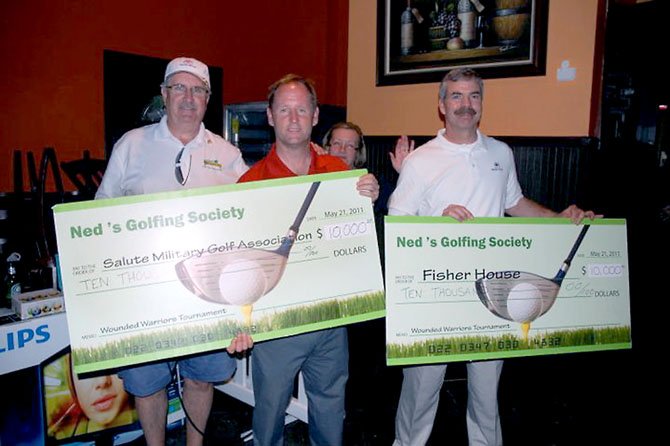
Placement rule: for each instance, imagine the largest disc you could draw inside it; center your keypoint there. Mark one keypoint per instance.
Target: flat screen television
(93, 410)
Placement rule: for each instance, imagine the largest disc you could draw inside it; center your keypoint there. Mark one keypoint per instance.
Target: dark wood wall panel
(553, 171)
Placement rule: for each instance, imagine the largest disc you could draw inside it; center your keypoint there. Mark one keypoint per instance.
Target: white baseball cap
(188, 65)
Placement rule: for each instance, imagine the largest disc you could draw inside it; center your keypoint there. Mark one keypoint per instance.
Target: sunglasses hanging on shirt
(178, 172)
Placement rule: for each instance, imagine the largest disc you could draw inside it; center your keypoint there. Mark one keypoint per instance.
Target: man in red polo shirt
(322, 356)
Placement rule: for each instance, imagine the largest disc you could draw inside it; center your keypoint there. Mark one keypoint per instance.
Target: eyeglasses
(177, 168)
(343, 145)
(195, 91)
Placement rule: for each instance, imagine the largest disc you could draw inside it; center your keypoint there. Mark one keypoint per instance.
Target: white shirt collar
(477, 145)
(163, 132)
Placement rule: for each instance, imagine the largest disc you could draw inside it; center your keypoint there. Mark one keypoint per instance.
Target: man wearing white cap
(176, 153)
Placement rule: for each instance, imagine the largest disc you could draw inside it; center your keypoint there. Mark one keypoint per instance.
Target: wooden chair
(85, 174)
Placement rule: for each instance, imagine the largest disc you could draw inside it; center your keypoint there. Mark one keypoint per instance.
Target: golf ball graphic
(242, 283)
(524, 302)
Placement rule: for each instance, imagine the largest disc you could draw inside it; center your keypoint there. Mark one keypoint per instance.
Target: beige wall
(529, 106)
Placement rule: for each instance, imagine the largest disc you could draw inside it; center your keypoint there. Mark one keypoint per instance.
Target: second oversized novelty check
(503, 287)
(157, 276)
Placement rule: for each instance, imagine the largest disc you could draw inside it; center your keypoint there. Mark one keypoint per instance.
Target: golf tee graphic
(521, 296)
(241, 277)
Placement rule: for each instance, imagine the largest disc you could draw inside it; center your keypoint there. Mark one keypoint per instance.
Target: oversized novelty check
(163, 275)
(504, 287)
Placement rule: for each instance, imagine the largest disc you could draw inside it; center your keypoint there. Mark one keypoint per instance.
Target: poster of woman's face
(77, 406)
(101, 398)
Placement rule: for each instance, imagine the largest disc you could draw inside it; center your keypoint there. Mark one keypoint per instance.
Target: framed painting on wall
(418, 41)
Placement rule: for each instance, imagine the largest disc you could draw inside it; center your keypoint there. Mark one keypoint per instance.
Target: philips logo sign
(27, 343)
(23, 337)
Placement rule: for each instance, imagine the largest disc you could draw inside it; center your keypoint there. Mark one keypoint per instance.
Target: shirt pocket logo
(496, 167)
(212, 164)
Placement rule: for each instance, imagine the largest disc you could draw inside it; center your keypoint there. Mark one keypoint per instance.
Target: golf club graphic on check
(527, 296)
(243, 276)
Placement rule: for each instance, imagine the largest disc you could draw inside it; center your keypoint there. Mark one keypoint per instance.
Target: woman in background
(367, 390)
(345, 140)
